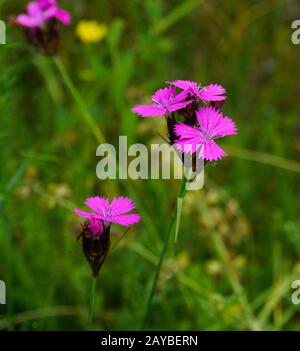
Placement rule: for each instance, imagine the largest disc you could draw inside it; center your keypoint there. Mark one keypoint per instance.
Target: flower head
(165, 101)
(212, 125)
(212, 92)
(40, 12)
(114, 212)
(95, 232)
(91, 31)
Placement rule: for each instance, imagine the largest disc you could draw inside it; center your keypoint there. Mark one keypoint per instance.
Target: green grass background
(239, 242)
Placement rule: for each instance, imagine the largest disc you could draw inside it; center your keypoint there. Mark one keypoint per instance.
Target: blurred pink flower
(41, 11)
(164, 101)
(114, 212)
(212, 92)
(212, 125)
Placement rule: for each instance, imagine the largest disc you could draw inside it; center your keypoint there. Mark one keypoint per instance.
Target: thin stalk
(79, 101)
(91, 302)
(170, 228)
(234, 281)
(279, 290)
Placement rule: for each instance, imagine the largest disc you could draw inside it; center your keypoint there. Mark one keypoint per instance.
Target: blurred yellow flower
(91, 31)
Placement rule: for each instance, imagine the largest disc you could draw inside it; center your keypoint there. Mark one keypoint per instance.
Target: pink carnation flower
(41, 11)
(212, 92)
(212, 125)
(114, 212)
(164, 101)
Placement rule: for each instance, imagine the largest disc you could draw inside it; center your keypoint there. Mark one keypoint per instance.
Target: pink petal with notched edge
(226, 126)
(187, 145)
(179, 97)
(185, 131)
(179, 105)
(211, 151)
(63, 16)
(190, 138)
(120, 205)
(213, 123)
(181, 84)
(149, 110)
(83, 213)
(163, 95)
(213, 92)
(184, 84)
(98, 204)
(126, 220)
(188, 87)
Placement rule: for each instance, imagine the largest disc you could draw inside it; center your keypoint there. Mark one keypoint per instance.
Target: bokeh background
(239, 243)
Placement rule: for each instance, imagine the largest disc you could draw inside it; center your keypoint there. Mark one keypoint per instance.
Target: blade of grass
(174, 16)
(278, 292)
(222, 252)
(86, 115)
(178, 217)
(265, 158)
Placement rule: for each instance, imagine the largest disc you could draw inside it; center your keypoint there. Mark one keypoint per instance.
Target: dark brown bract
(44, 39)
(94, 248)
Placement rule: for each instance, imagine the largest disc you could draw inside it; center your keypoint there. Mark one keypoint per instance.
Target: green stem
(170, 228)
(91, 302)
(79, 101)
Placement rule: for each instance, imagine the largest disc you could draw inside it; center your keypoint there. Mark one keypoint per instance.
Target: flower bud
(95, 245)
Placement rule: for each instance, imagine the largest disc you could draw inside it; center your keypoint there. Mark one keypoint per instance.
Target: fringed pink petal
(98, 204)
(213, 123)
(121, 205)
(179, 105)
(211, 151)
(83, 213)
(212, 92)
(126, 220)
(149, 110)
(185, 131)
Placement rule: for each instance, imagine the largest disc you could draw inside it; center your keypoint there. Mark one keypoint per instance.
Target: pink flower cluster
(193, 128)
(39, 12)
